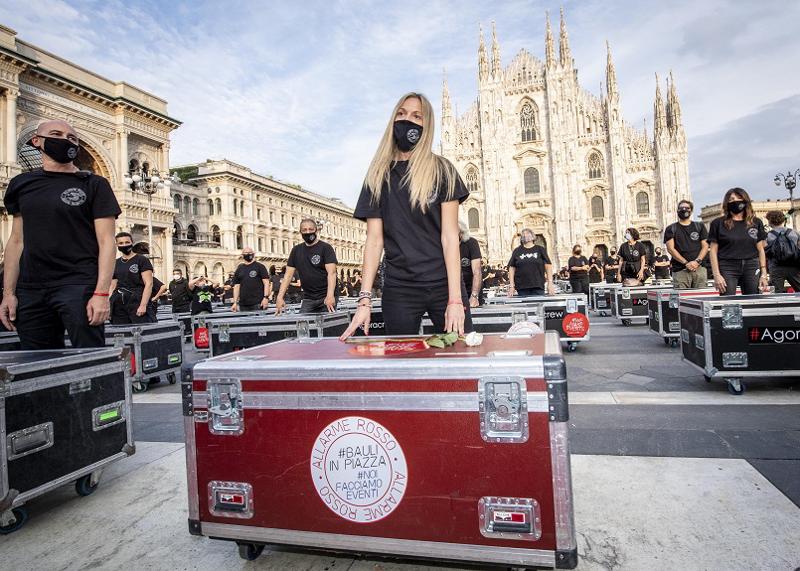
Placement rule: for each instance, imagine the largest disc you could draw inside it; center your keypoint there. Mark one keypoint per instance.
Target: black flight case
(630, 302)
(733, 337)
(662, 311)
(64, 416)
(156, 351)
(497, 318)
(600, 297)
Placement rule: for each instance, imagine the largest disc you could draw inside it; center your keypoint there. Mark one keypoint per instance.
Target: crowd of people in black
(417, 256)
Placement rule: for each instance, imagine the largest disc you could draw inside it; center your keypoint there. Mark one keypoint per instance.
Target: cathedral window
(218, 203)
(531, 181)
(239, 238)
(473, 219)
(176, 202)
(527, 120)
(598, 208)
(595, 165)
(187, 204)
(215, 235)
(210, 207)
(191, 233)
(195, 207)
(472, 179)
(642, 203)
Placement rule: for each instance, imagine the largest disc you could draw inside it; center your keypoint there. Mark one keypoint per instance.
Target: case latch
(572, 305)
(626, 293)
(225, 407)
(732, 316)
(230, 499)
(674, 300)
(503, 406)
(510, 518)
(224, 333)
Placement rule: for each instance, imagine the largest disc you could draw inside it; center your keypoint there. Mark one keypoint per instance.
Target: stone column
(168, 255)
(122, 158)
(10, 121)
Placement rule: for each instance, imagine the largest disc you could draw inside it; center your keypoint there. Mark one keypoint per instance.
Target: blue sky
(302, 90)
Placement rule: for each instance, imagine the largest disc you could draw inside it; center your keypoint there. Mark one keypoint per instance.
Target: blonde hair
(426, 170)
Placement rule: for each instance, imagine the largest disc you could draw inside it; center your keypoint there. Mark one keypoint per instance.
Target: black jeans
(779, 275)
(403, 308)
(44, 314)
(579, 285)
(249, 307)
(315, 305)
(742, 273)
(530, 291)
(125, 303)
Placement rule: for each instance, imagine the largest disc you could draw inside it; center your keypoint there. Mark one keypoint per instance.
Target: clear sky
(302, 90)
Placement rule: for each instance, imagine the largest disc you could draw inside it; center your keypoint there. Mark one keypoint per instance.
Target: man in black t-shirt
(470, 265)
(687, 243)
(611, 266)
(202, 294)
(661, 264)
(529, 268)
(227, 290)
(251, 286)
(132, 285)
(316, 262)
(58, 271)
(578, 271)
(179, 292)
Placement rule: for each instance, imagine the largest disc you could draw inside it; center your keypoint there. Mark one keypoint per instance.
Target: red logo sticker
(389, 348)
(201, 338)
(575, 325)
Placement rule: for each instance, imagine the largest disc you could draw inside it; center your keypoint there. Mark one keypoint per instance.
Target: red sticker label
(389, 348)
(575, 325)
(201, 338)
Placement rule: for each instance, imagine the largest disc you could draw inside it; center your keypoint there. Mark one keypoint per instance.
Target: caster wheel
(250, 551)
(707, 378)
(172, 379)
(84, 485)
(572, 347)
(20, 517)
(140, 386)
(666, 340)
(735, 387)
(673, 343)
(626, 322)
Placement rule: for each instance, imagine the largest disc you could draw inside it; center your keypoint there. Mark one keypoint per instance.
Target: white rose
(473, 339)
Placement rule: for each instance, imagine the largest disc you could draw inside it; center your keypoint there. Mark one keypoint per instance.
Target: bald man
(58, 271)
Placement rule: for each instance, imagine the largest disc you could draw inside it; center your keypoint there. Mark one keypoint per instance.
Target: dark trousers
(611, 277)
(403, 308)
(779, 275)
(309, 305)
(742, 273)
(124, 305)
(44, 314)
(579, 285)
(530, 291)
(249, 306)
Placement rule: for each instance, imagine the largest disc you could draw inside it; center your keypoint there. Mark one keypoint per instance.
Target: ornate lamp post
(149, 182)
(789, 180)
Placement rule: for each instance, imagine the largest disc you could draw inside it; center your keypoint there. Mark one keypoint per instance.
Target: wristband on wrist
(453, 302)
(100, 294)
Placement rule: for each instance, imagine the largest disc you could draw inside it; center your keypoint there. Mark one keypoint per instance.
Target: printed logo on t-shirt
(316, 259)
(753, 233)
(134, 269)
(253, 273)
(528, 256)
(695, 236)
(73, 196)
(635, 253)
(465, 262)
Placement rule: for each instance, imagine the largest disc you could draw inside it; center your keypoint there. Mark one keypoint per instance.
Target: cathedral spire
(483, 62)
(611, 76)
(447, 110)
(549, 48)
(563, 47)
(659, 116)
(673, 107)
(496, 67)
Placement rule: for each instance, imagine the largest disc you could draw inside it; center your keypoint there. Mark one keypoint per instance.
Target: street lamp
(789, 180)
(149, 182)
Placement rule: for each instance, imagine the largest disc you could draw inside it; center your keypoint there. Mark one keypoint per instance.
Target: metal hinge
(186, 394)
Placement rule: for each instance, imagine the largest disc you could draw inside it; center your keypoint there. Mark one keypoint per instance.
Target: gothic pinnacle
(563, 46)
(659, 116)
(549, 48)
(496, 67)
(446, 106)
(483, 63)
(611, 75)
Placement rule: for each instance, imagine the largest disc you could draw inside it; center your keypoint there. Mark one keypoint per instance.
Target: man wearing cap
(58, 271)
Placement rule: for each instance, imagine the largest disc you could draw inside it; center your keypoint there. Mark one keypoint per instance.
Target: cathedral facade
(538, 151)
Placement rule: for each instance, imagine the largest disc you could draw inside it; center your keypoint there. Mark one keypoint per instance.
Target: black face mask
(577, 252)
(613, 253)
(406, 134)
(684, 213)
(309, 238)
(248, 257)
(60, 150)
(125, 250)
(658, 252)
(737, 206)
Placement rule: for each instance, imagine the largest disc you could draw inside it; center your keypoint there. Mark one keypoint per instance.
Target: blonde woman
(410, 203)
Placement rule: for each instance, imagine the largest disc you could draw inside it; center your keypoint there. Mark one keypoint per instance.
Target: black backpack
(782, 250)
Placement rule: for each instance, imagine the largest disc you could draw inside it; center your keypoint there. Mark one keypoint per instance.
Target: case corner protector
(567, 559)
(194, 527)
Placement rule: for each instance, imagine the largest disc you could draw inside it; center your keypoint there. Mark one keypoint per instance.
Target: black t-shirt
(687, 241)
(180, 294)
(662, 272)
(412, 240)
(738, 243)
(577, 261)
(310, 262)
(611, 261)
(128, 273)
(228, 293)
(58, 211)
(631, 255)
(201, 298)
(529, 264)
(595, 263)
(249, 279)
(470, 250)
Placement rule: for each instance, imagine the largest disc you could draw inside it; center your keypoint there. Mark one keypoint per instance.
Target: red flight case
(385, 446)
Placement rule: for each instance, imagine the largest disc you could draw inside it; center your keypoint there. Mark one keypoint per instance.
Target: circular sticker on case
(575, 325)
(359, 469)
